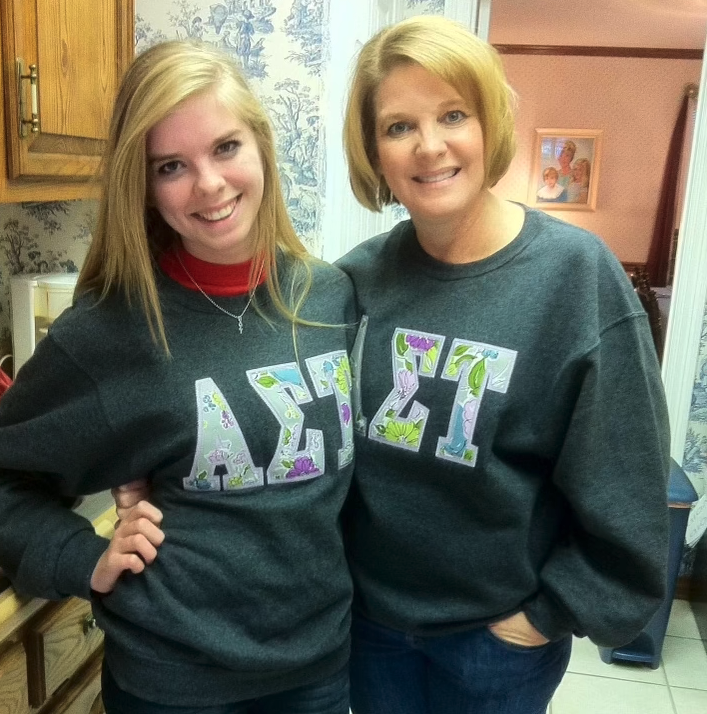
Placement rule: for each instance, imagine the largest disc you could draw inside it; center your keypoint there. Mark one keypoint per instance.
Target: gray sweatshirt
(248, 445)
(512, 439)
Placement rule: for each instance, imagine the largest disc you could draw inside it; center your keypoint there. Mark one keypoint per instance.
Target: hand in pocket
(517, 630)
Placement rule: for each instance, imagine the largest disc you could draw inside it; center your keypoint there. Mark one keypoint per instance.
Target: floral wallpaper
(695, 454)
(424, 7)
(695, 457)
(40, 238)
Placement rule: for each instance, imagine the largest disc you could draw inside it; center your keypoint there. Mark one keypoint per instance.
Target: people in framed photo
(565, 171)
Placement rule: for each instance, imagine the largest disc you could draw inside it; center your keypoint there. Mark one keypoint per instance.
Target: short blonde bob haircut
(130, 233)
(452, 53)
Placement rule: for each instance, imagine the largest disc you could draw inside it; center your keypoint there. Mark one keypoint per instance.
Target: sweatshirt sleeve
(608, 576)
(54, 441)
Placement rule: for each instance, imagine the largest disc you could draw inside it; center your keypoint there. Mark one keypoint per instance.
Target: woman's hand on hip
(518, 630)
(133, 546)
(129, 495)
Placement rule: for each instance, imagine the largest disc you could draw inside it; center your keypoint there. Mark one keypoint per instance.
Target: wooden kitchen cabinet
(51, 664)
(84, 695)
(13, 680)
(80, 49)
(57, 644)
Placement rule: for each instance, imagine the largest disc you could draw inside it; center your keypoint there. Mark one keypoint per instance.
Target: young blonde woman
(512, 436)
(578, 187)
(207, 353)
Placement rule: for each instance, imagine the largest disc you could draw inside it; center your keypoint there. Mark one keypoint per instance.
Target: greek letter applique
(477, 367)
(360, 421)
(222, 461)
(415, 354)
(282, 388)
(331, 374)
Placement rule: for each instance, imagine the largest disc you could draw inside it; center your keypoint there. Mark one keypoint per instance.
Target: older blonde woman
(565, 158)
(512, 430)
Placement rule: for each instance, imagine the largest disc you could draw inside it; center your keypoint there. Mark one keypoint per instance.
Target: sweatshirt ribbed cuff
(548, 618)
(77, 562)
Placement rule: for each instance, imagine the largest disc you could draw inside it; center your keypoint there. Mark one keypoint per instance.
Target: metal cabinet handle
(89, 624)
(33, 123)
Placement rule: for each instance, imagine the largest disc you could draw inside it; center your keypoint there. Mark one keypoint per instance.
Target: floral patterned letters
(476, 366)
(222, 461)
(331, 374)
(414, 354)
(282, 388)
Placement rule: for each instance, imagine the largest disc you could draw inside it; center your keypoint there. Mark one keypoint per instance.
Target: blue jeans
(471, 672)
(329, 696)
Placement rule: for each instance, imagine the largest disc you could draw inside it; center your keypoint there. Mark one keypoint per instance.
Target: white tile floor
(678, 686)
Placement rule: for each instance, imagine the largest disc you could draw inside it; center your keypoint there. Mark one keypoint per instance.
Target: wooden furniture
(51, 652)
(649, 301)
(638, 275)
(62, 61)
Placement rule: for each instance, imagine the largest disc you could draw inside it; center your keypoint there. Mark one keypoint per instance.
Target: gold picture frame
(565, 169)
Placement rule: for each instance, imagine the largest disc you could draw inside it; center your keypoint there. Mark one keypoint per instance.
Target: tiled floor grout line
(626, 679)
(692, 689)
(672, 700)
(634, 681)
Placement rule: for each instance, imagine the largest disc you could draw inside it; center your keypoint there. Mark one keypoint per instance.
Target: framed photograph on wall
(565, 173)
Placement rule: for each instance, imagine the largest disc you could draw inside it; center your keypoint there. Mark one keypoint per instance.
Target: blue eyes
(228, 147)
(400, 128)
(454, 117)
(226, 150)
(169, 168)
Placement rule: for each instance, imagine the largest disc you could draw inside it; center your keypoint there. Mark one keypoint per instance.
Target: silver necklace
(239, 318)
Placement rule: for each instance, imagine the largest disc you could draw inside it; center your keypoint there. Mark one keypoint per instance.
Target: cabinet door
(57, 644)
(80, 49)
(13, 681)
(83, 696)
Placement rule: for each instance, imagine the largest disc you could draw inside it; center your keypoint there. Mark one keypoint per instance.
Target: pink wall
(610, 23)
(635, 102)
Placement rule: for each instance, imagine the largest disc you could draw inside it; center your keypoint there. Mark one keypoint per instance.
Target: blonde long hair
(586, 170)
(130, 235)
(452, 53)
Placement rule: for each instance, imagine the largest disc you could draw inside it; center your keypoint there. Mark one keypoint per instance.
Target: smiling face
(580, 171)
(205, 178)
(430, 145)
(565, 157)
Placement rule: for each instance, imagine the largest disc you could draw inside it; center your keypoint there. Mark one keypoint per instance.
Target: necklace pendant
(239, 318)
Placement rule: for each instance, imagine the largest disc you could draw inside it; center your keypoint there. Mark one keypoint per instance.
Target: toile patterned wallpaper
(40, 238)
(695, 454)
(281, 46)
